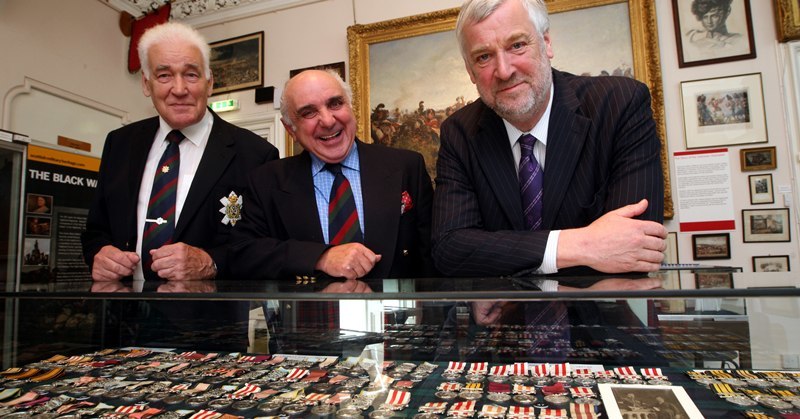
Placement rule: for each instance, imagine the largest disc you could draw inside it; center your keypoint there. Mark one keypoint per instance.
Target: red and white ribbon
(582, 372)
(245, 391)
(456, 366)
(559, 370)
(625, 372)
(206, 414)
(652, 373)
(492, 410)
(581, 392)
(499, 370)
(398, 398)
(523, 389)
(520, 411)
(582, 411)
(521, 368)
(478, 367)
(540, 370)
(552, 413)
(433, 407)
(296, 374)
(130, 409)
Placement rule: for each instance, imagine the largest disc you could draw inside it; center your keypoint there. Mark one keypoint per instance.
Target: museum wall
(77, 47)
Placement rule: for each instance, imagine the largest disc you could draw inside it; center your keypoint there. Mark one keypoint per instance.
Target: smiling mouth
(328, 137)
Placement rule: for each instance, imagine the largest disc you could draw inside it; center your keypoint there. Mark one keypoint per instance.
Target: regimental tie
(343, 224)
(159, 225)
(531, 177)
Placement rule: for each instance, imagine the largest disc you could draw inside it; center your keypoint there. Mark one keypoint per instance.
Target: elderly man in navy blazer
(548, 170)
(288, 227)
(215, 158)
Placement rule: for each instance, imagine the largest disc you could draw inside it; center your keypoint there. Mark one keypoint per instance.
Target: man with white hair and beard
(548, 170)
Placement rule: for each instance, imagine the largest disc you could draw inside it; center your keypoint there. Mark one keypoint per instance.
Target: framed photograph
(39, 204)
(713, 31)
(787, 19)
(771, 263)
(711, 246)
(408, 76)
(766, 225)
(723, 111)
(644, 401)
(756, 159)
(37, 226)
(761, 189)
(713, 280)
(238, 63)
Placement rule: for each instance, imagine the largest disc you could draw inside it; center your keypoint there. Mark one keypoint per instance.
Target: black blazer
(280, 234)
(602, 153)
(230, 155)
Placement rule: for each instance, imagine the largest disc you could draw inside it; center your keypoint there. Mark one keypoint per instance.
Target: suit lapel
(296, 201)
(217, 156)
(381, 182)
(497, 162)
(566, 137)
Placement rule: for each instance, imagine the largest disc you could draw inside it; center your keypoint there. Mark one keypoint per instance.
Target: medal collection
(777, 391)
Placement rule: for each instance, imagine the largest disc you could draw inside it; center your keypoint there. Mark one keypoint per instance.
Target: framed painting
(711, 246)
(761, 189)
(713, 280)
(723, 111)
(238, 63)
(771, 263)
(787, 19)
(755, 159)
(713, 31)
(767, 225)
(407, 74)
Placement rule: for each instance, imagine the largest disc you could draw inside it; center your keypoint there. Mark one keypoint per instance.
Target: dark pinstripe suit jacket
(602, 153)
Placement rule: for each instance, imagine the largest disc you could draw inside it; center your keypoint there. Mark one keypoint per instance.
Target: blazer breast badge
(232, 208)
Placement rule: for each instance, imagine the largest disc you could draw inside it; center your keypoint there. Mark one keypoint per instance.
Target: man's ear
(146, 86)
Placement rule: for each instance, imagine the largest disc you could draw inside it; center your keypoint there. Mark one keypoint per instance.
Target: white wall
(77, 46)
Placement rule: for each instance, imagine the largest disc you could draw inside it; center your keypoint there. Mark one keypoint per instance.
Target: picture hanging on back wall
(713, 31)
(771, 263)
(754, 159)
(761, 189)
(238, 63)
(724, 111)
(766, 225)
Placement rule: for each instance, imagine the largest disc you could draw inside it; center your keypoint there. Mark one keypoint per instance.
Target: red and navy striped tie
(160, 224)
(343, 224)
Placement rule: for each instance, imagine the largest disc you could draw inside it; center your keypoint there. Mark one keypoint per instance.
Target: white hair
(475, 11)
(172, 32)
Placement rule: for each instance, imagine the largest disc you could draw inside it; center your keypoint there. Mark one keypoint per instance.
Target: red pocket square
(405, 203)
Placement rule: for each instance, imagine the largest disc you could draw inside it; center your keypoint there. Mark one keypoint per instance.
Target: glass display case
(487, 347)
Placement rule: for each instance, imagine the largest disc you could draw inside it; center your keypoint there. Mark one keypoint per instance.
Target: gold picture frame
(787, 19)
(644, 51)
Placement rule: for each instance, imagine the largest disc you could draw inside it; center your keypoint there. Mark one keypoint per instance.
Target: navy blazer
(281, 236)
(602, 153)
(230, 155)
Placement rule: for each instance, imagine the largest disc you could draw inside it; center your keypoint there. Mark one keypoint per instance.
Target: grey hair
(172, 32)
(475, 11)
(348, 92)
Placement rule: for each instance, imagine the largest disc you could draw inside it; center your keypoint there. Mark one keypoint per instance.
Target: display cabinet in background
(409, 348)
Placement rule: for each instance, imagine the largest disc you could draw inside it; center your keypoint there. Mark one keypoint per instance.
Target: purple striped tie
(160, 223)
(531, 177)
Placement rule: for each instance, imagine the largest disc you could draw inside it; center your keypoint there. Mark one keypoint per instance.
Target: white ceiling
(206, 12)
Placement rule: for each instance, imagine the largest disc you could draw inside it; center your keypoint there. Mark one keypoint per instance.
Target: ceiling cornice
(200, 13)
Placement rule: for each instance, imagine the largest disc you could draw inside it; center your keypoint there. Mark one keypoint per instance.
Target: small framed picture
(724, 111)
(761, 189)
(39, 204)
(37, 226)
(713, 31)
(645, 401)
(754, 159)
(766, 225)
(711, 246)
(238, 63)
(771, 263)
(713, 280)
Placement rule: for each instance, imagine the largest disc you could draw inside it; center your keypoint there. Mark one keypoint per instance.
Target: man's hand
(181, 262)
(112, 264)
(187, 286)
(487, 312)
(351, 261)
(110, 286)
(619, 284)
(615, 243)
(348, 286)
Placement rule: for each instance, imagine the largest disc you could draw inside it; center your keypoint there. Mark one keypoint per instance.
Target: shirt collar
(193, 133)
(539, 130)
(350, 161)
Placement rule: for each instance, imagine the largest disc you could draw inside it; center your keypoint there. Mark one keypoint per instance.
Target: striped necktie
(531, 177)
(160, 223)
(343, 224)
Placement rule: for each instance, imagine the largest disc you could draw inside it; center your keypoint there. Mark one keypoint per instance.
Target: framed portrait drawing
(761, 189)
(771, 263)
(755, 159)
(713, 31)
(238, 63)
(711, 246)
(713, 280)
(766, 225)
(640, 400)
(723, 111)
(787, 19)
(408, 75)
